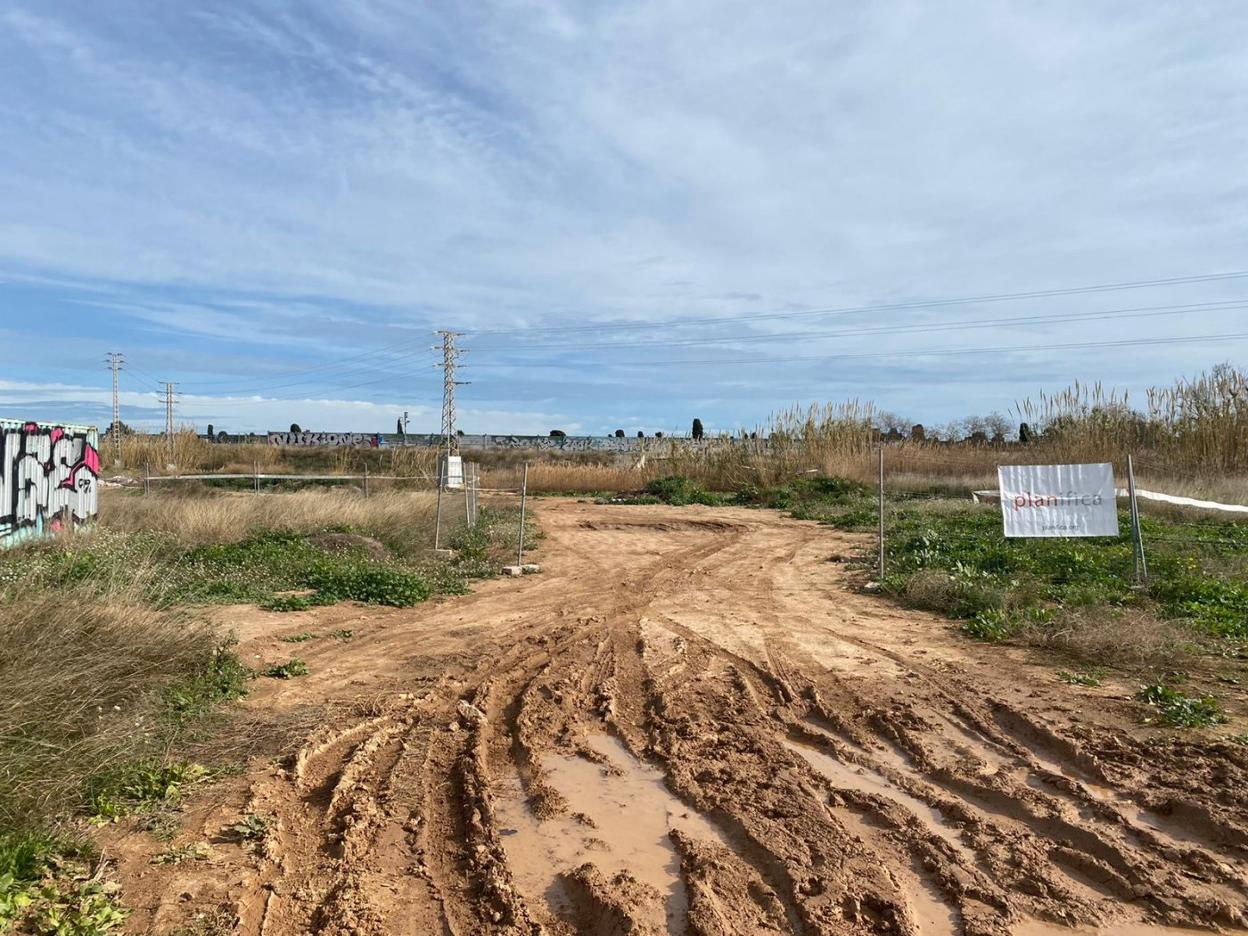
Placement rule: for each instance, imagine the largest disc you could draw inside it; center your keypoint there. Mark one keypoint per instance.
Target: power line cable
(1139, 312)
(335, 368)
(328, 366)
(848, 310)
(1002, 349)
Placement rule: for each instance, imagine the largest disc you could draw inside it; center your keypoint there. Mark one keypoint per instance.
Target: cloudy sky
(637, 212)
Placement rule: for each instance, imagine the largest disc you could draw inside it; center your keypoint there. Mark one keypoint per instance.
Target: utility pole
(169, 385)
(450, 441)
(115, 361)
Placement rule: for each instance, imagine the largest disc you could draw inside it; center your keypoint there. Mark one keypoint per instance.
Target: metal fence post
(881, 513)
(366, 480)
(1137, 538)
(147, 478)
(524, 493)
(255, 476)
(437, 523)
(475, 490)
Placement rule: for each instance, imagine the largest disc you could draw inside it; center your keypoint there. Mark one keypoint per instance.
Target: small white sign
(453, 472)
(1058, 500)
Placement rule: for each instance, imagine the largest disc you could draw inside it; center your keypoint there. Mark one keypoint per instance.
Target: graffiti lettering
(326, 439)
(49, 476)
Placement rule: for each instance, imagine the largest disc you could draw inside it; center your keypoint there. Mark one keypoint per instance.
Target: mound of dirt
(673, 525)
(350, 542)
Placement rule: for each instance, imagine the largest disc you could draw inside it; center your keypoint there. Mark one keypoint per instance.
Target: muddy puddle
(1166, 829)
(1042, 928)
(632, 813)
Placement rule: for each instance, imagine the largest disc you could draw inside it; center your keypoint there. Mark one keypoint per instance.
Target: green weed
(992, 625)
(219, 679)
(140, 787)
(1179, 710)
(299, 638)
(252, 830)
(1088, 677)
(343, 634)
(292, 667)
(194, 851)
(47, 886)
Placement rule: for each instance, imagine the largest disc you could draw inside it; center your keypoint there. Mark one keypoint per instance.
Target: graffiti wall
(325, 439)
(538, 443)
(49, 478)
(541, 443)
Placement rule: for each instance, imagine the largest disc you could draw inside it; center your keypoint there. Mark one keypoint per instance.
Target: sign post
(1058, 500)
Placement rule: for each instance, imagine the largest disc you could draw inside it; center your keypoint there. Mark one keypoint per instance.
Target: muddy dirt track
(691, 722)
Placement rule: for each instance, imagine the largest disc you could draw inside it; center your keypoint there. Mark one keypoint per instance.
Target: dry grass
(199, 517)
(82, 673)
(191, 454)
(1132, 640)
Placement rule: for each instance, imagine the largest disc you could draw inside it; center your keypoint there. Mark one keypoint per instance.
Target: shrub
(679, 491)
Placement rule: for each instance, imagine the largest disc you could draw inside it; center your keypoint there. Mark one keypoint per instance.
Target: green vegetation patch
(951, 557)
(1178, 710)
(139, 787)
(48, 886)
(287, 670)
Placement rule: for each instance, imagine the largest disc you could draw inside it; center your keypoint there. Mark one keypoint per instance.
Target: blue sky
(275, 204)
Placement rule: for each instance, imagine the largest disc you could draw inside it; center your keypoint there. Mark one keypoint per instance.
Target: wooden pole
(366, 480)
(147, 478)
(524, 493)
(255, 476)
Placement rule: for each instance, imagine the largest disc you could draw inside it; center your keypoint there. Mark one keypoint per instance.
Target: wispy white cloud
(323, 180)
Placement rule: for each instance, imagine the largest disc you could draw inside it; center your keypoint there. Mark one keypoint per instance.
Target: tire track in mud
(689, 723)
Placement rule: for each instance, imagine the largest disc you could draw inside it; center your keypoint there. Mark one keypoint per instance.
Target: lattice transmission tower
(450, 359)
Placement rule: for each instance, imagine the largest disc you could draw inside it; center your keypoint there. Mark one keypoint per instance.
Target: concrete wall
(49, 478)
(466, 442)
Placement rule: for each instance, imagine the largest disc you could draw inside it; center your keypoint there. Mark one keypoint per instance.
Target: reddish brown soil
(691, 722)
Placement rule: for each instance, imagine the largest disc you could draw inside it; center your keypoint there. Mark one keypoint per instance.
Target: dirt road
(690, 722)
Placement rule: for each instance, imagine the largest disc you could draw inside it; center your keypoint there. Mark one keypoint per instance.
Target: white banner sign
(1058, 500)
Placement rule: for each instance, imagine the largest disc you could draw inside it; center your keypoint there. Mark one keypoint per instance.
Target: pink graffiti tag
(90, 461)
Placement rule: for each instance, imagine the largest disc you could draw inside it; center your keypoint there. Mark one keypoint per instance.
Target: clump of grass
(193, 851)
(303, 637)
(680, 491)
(141, 786)
(287, 670)
(1179, 710)
(222, 921)
(93, 679)
(1085, 677)
(992, 626)
(401, 520)
(295, 603)
(342, 634)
